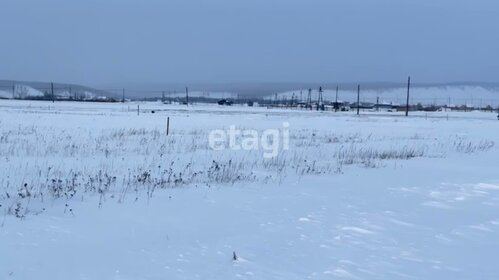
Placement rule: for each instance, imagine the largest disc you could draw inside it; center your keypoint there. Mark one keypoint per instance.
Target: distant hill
(473, 95)
(260, 90)
(27, 89)
(388, 92)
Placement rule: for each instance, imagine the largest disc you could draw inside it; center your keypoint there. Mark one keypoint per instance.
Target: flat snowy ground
(93, 191)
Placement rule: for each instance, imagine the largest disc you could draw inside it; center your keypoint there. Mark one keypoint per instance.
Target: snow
(23, 91)
(4, 94)
(376, 196)
(33, 92)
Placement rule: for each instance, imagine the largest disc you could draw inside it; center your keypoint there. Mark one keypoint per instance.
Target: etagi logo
(271, 141)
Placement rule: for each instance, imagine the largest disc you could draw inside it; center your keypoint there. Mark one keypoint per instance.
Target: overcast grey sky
(104, 42)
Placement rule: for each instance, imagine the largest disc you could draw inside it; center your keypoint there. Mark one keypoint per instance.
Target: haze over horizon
(104, 43)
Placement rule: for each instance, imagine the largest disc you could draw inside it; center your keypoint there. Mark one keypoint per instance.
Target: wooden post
(167, 125)
(123, 99)
(358, 99)
(187, 96)
(377, 104)
(52, 91)
(407, 104)
(138, 109)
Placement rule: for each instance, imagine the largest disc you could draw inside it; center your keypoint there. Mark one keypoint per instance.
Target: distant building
(224, 102)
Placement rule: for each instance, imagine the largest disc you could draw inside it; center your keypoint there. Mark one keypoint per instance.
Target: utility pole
(309, 99)
(320, 100)
(187, 96)
(336, 105)
(52, 91)
(13, 91)
(377, 104)
(408, 89)
(163, 97)
(358, 99)
(123, 98)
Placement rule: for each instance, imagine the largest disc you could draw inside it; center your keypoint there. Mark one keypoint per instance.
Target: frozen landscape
(100, 191)
(251, 140)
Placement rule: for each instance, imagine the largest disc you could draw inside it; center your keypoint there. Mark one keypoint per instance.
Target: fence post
(138, 109)
(167, 125)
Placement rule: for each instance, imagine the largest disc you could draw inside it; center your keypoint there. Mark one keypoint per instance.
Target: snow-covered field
(97, 191)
